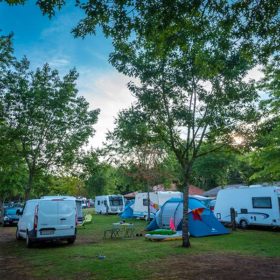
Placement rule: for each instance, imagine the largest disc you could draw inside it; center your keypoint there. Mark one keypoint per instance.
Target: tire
(243, 224)
(18, 237)
(71, 240)
(29, 242)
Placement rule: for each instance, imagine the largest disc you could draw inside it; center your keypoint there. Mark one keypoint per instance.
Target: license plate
(47, 232)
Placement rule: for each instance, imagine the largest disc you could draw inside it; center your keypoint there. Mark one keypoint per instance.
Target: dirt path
(218, 267)
(11, 267)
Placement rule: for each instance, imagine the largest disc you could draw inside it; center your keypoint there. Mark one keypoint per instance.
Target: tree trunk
(28, 187)
(185, 225)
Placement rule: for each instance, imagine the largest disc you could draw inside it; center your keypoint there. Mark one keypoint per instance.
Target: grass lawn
(130, 258)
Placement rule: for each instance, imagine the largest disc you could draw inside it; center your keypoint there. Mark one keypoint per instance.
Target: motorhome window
(98, 202)
(145, 202)
(116, 201)
(262, 202)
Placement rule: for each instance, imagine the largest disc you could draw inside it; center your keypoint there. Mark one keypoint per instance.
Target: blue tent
(202, 221)
(128, 211)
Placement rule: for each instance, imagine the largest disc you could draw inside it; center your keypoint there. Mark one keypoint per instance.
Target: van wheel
(18, 237)
(243, 224)
(71, 240)
(29, 242)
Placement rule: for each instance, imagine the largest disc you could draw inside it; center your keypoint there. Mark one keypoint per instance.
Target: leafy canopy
(46, 121)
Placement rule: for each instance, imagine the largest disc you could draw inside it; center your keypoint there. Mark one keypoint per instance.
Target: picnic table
(126, 229)
(120, 230)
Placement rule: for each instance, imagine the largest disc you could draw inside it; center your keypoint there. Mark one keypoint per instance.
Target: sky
(50, 40)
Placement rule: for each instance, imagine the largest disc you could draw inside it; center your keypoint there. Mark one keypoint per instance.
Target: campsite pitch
(250, 254)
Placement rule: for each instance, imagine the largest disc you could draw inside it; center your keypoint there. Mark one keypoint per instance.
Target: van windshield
(116, 201)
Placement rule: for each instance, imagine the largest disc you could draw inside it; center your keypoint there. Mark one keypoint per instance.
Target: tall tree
(137, 147)
(47, 122)
(191, 70)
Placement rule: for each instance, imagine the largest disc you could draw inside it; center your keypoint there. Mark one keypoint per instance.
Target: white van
(157, 199)
(48, 218)
(255, 205)
(109, 204)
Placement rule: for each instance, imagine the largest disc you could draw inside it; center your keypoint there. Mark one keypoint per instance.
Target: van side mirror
(18, 212)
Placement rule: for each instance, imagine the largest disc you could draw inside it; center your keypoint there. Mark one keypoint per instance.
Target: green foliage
(137, 150)
(46, 120)
(266, 156)
(12, 168)
(213, 169)
(13, 172)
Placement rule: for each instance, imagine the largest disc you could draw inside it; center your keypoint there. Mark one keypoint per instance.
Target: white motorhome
(109, 204)
(255, 205)
(48, 218)
(157, 199)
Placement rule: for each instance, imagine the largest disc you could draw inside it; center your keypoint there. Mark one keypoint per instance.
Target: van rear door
(66, 217)
(56, 218)
(47, 218)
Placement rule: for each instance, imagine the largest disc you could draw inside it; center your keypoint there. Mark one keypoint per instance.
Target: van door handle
(62, 219)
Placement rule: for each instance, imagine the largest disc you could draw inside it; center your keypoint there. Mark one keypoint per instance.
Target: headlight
(6, 218)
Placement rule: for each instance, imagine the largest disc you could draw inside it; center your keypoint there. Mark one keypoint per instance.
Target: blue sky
(36, 34)
(44, 40)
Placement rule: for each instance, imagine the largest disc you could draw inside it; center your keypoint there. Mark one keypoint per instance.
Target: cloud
(59, 62)
(107, 91)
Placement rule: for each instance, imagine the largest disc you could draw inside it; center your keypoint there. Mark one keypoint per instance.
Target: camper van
(255, 205)
(109, 204)
(47, 219)
(157, 199)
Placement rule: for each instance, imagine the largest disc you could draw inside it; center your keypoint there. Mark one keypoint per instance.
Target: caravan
(109, 204)
(255, 205)
(157, 199)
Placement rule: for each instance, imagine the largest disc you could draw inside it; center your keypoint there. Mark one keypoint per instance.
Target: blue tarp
(203, 224)
(128, 211)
